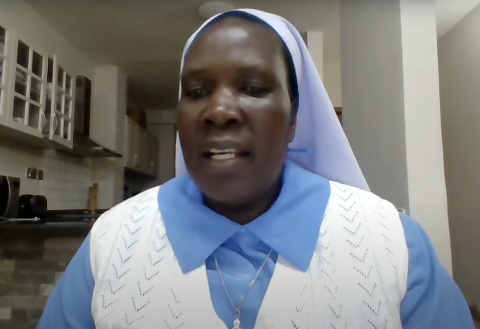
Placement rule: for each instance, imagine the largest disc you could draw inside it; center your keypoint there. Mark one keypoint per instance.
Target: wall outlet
(40, 175)
(31, 173)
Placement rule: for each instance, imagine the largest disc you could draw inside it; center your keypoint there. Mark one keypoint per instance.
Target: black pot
(31, 206)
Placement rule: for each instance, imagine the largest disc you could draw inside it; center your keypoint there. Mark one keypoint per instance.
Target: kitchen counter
(33, 257)
(59, 216)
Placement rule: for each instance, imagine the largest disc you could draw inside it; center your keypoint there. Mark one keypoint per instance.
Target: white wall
(427, 192)
(373, 108)
(332, 79)
(391, 110)
(459, 66)
(63, 176)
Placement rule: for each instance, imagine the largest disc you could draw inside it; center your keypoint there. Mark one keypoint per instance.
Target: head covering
(320, 145)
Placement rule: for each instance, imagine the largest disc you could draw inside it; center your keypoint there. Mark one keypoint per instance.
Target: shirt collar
(291, 226)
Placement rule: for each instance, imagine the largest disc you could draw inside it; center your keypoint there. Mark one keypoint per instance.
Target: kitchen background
(87, 90)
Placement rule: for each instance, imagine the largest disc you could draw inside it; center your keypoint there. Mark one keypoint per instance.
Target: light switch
(31, 173)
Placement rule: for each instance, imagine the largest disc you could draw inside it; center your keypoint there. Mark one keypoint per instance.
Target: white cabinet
(28, 85)
(36, 94)
(129, 153)
(152, 158)
(5, 36)
(140, 149)
(60, 104)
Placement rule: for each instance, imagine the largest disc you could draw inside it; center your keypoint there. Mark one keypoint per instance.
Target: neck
(247, 212)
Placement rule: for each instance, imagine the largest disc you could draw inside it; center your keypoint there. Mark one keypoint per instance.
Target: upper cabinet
(37, 95)
(4, 35)
(60, 104)
(141, 149)
(26, 110)
(37, 99)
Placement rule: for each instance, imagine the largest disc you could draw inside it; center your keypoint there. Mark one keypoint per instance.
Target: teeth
(223, 156)
(217, 151)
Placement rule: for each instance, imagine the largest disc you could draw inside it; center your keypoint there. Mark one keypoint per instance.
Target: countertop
(53, 219)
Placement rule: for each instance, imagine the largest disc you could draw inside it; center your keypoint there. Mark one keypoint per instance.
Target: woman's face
(235, 118)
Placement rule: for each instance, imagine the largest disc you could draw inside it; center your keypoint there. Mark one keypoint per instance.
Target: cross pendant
(236, 324)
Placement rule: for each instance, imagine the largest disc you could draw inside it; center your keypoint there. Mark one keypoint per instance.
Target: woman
(271, 227)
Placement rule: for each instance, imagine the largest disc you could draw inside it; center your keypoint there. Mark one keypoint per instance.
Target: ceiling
(145, 38)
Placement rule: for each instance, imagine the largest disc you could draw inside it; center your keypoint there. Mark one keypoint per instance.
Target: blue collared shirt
(198, 235)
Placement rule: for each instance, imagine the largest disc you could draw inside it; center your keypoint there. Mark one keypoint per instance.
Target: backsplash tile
(14, 160)
(66, 180)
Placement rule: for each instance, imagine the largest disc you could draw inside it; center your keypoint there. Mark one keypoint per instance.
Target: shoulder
(380, 222)
(369, 201)
(380, 216)
(139, 204)
(137, 212)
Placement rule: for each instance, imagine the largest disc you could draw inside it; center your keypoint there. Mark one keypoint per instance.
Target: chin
(229, 194)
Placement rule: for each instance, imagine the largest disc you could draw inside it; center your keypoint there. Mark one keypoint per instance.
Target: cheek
(272, 130)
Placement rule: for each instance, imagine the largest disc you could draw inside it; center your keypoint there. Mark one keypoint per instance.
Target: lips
(225, 154)
(224, 151)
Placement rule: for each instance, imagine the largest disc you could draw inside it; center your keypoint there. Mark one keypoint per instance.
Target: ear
(293, 120)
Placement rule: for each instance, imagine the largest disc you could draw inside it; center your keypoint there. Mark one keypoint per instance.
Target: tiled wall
(15, 158)
(66, 178)
(66, 181)
(32, 260)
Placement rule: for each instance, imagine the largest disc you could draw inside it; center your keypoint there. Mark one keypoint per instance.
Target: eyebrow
(244, 70)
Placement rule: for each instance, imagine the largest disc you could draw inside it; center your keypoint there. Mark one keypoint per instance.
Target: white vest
(356, 279)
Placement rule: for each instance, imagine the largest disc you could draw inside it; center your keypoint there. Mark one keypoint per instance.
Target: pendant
(236, 324)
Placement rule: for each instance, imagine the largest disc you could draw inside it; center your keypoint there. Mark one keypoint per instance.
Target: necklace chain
(239, 308)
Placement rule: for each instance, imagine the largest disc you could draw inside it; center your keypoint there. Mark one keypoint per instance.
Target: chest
(140, 284)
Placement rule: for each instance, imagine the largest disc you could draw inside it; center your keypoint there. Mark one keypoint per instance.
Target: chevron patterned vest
(356, 279)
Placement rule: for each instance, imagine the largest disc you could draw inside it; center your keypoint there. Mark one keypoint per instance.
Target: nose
(222, 110)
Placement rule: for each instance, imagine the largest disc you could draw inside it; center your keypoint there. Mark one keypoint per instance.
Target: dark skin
(236, 100)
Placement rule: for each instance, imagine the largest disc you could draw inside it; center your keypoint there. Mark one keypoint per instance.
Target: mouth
(225, 154)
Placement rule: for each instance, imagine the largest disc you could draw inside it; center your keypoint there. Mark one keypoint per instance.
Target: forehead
(234, 40)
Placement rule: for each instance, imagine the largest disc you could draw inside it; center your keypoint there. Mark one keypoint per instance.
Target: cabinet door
(126, 142)
(4, 67)
(143, 152)
(60, 103)
(133, 145)
(153, 152)
(29, 84)
(140, 149)
(137, 146)
(129, 144)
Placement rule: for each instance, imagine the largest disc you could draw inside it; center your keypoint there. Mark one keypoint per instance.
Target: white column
(391, 107)
(459, 68)
(109, 104)
(314, 42)
(328, 71)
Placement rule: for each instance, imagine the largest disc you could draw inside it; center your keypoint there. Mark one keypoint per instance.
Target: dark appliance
(31, 206)
(9, 195)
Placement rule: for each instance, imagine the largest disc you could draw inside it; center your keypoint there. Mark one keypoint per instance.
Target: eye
(197, 93)
(255, 91)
